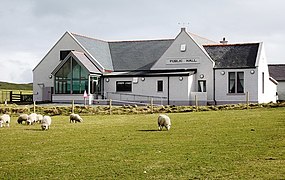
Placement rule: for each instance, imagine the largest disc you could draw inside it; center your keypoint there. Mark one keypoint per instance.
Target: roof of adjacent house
(233, 55)
(277, 71)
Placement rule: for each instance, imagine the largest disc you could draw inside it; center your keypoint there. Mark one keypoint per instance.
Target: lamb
(32, 118)
(22, 117)
(5, 119)
(46, 122)
(75, 118)
(163, 121)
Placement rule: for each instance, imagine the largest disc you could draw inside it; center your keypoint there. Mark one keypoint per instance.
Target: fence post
(151, 105)
(72, 107)
(247, 99)
(196, 102)
(110, 106)
(21, 96)
(34, 106)
(11, 96)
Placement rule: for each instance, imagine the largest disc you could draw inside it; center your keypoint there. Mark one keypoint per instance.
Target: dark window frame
(236, 82)
(124, 86)
(204, 86)
(159, 85)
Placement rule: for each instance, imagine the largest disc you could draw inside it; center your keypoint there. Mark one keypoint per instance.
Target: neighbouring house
(179, 71)
(277, 71)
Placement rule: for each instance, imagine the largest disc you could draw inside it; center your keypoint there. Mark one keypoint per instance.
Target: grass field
(240, 144)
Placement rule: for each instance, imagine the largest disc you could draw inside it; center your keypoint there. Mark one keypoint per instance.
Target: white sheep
(75, 118)
(46, 122)
(39, 118)
(22, 117)
(32, 118)
(163, 121)
(5, 119)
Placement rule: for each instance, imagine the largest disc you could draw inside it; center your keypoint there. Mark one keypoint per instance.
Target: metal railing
(135, 98)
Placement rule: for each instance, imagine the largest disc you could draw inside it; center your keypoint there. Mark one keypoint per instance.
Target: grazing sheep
(75, 118)
(39, 118)
(46, 122)
(32, 119)
(5, 119)
(22, 117)
(163, 120)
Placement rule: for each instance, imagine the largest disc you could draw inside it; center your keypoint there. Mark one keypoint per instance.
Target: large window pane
(71, 78)
(75, 70)
(240, 82)
(231, 82)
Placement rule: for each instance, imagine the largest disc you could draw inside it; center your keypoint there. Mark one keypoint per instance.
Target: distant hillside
(15, 86)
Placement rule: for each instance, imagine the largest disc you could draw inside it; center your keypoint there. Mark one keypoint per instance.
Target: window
(236, 82)
(63, 54)
(183, 47)
(124, 86)
(201, 86)
(159, 86)
(71, 78)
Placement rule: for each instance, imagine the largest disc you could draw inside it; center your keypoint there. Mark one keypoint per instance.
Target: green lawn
(240, 144)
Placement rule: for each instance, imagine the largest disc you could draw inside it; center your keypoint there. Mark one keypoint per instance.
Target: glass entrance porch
(72, 79)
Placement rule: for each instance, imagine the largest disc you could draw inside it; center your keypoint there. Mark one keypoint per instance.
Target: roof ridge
(201, 37)
(276, 64)
(233, 44)
(88, 37)
(115, 41)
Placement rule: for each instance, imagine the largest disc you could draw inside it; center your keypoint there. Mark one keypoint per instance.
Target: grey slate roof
(233, 55)
(277, 71)
(137, 55)
(98, 49)
(141, 55)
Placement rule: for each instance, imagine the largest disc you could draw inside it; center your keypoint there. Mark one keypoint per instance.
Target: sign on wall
(182, 60)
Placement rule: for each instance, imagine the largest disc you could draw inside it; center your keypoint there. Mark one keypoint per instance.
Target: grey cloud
(34, 26)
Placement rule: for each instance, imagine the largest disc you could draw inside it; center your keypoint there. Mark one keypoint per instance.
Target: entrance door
(95, 88)
(47, 94)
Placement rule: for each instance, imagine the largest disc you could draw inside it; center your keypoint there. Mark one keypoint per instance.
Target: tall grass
(240, 144)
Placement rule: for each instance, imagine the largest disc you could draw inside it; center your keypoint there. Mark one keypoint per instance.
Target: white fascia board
(259, 54)
(202, 48)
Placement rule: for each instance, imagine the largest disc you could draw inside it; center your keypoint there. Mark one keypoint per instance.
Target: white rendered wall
(221, 89)
(43, 70)
(270, 88)
(179, 91)
(202, 62)
(77, 98)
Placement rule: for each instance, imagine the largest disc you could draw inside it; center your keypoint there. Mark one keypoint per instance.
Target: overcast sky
(29, 28)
